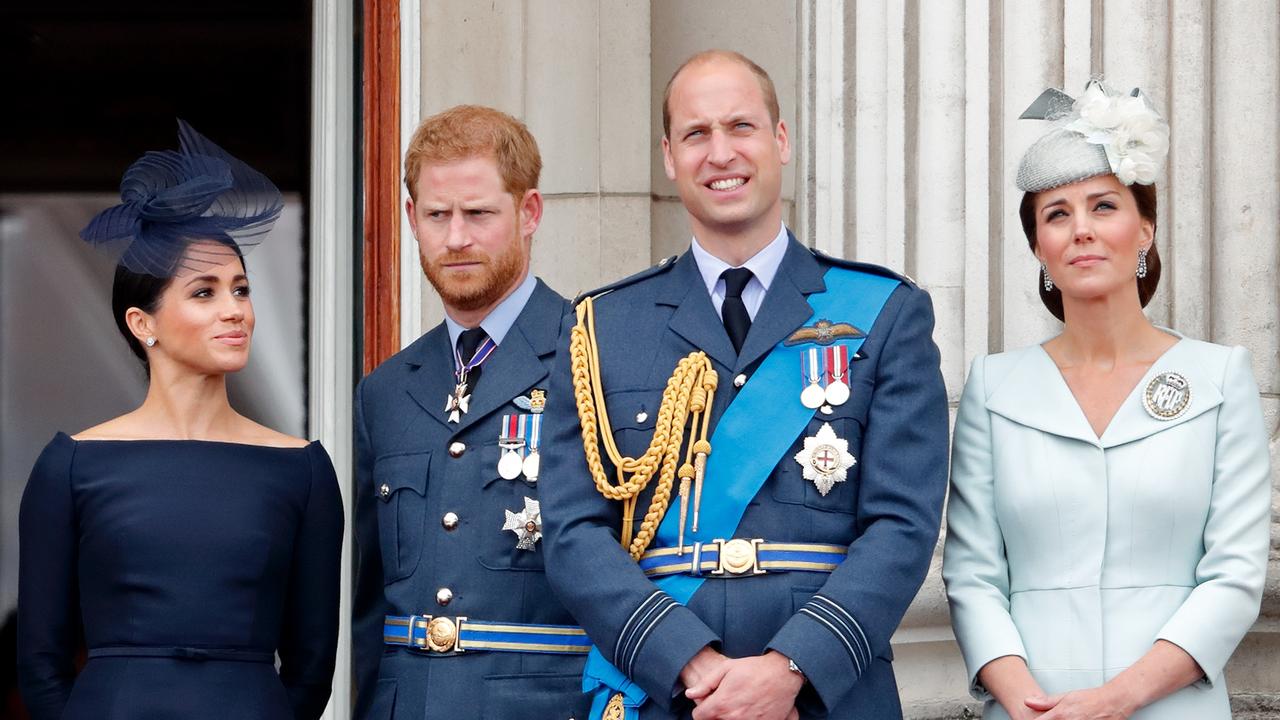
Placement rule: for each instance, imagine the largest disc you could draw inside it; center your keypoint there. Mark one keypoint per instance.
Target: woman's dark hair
(143, 291)
(1145, 196)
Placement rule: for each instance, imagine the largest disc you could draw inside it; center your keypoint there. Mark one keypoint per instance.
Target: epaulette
(663, 265)
(864, 267)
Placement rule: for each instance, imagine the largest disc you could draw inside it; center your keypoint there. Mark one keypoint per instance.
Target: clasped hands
(761, 687)
(1097, 703)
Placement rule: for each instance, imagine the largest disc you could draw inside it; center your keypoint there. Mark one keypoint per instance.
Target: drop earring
(1048, 281)
(1142, 263)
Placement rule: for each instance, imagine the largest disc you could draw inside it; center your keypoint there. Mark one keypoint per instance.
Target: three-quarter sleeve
(48, 609)
(309, 641)
(1230, 575)
(974, 566)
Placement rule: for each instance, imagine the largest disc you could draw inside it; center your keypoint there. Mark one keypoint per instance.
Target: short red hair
(467, 131)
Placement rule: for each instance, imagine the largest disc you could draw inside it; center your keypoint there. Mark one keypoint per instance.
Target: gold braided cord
(688, 395)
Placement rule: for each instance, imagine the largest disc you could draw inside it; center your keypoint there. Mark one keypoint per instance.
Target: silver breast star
(526, 524)
(825, 459)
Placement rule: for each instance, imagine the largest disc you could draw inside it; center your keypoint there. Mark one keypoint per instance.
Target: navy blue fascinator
(171, 201)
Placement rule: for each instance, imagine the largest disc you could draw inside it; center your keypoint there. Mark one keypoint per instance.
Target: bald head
(712, 56)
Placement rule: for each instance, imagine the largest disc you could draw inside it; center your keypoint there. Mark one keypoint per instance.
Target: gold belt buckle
(442, 633)
(738, 557)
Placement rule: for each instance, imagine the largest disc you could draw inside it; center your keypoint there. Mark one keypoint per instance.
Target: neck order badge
(741, 461)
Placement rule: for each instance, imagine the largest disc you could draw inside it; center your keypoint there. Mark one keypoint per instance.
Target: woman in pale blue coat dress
(1108, 524)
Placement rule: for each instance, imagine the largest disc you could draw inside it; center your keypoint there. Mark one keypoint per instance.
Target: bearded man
(453, 614)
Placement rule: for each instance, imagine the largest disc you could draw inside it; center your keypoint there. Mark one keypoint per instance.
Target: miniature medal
(534, 438)
(812, 372)
(837, 392)
(1167, 396)
(825, 459)
(526, 524)
(511, 443)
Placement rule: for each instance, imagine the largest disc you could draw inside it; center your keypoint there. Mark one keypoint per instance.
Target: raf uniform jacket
(835, 627)
(408, 554)
(1077, 552)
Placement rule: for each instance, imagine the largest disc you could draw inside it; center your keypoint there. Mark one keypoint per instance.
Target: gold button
(456, 449)
(740, 380)
(449, 521)
(384, 491)
(444, 596)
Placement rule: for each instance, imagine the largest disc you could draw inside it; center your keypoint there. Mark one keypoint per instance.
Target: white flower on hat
(1134, 137)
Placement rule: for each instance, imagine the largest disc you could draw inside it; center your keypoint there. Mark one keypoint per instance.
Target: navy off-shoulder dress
(191, 564)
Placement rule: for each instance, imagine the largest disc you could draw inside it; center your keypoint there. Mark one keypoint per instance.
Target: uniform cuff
(657, 641)
(828, 645)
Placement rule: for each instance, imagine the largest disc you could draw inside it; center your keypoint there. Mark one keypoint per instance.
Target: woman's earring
(1142, 263)
(151, 342)
(1048, 281)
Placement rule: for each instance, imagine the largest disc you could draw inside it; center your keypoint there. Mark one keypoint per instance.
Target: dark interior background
(88, 85)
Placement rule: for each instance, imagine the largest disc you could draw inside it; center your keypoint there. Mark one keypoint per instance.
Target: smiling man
(453, 614)
(749, 495)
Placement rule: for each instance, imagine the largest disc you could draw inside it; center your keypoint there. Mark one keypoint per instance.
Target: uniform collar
(501, 318)
(763, 265)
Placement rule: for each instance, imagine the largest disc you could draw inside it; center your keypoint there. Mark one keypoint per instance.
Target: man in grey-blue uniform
(453, 615)
(749, 497)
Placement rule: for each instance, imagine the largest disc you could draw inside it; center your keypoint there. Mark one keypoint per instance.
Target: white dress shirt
(763, 266)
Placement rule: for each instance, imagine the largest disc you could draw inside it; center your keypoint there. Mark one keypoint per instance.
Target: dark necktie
(468, 342)
(733, 312)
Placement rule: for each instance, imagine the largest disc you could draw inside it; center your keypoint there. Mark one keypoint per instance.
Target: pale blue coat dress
(1077, 553)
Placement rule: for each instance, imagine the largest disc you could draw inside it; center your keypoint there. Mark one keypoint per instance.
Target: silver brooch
(1167, 396)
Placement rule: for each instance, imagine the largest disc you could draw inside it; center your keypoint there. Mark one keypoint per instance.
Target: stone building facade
(903, 116)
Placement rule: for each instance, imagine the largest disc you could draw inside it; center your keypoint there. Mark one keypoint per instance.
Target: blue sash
(742, 457)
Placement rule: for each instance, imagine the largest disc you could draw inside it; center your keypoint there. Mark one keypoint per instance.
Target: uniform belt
(185, 653)
(440, 635)
(742, 557)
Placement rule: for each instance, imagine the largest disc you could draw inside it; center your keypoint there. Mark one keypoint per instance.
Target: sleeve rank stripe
(635, 651)
(651, 616)
(849, 648)
(829, 609)
(837, 623)
(626, 627)
(836, 606)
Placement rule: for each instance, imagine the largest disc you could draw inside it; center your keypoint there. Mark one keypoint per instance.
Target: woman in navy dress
(191, 544)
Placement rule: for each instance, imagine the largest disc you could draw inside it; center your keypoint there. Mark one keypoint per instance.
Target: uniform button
(826, 409)
(449, 521)
(444, 596)
(456, 449)
(642, 416)
(384, 490)
(740, 380)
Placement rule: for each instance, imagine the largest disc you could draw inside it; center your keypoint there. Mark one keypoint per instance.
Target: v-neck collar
(1036, 394)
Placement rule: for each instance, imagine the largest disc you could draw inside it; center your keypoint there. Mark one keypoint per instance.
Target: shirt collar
(501, 318)
(763, 265)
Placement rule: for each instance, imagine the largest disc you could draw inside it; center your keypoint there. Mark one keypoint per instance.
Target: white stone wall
(903, 117)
